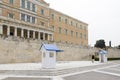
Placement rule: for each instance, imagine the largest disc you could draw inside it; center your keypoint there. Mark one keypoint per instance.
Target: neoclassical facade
(34, 19)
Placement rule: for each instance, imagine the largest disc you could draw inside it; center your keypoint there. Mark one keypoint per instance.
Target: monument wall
(19, 50)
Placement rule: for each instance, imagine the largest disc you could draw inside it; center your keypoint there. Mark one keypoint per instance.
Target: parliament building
(34, 19)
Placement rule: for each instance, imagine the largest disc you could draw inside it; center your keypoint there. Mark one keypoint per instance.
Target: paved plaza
(84, 70)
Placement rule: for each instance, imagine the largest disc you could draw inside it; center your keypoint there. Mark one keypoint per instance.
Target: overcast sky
(103, 17)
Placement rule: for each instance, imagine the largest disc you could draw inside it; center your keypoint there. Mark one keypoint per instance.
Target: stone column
(8, 30)
(33, 34)
(38, 35)
(15, 32)
(22, 33)
(43, 36)
(1, 29)
(48, 37)
(52, 37)
(28, 34)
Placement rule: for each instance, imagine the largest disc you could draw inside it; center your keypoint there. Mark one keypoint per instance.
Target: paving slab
(54, 72)
(118, 67)
(23, 78)
(111, 70)
(38, 66)
(92, 76)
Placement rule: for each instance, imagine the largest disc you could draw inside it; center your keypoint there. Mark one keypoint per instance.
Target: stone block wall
(114, 53)
(17, 50)
(13, 50)
(73, 53)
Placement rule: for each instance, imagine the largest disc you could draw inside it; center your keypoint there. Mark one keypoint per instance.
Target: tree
(100, 44)
(118, 46)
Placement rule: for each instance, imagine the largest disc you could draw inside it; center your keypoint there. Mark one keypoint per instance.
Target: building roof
(51, 47)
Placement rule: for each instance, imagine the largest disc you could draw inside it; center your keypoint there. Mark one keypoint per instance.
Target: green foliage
(100, 44)
(109, 59)
(119, 47)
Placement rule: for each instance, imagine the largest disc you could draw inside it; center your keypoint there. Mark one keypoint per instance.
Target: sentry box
(102, 56)
(49, 55)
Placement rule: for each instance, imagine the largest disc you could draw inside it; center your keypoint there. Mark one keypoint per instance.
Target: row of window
(25, 4)
(11, 15)
(82, 36)
(70, 22)
(27, 18)
(30, 19)
(28, 5)
(0, 11)
(11, 1)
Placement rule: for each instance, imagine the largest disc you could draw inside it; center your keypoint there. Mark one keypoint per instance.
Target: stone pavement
(92, 76)
(19, 78)
(106, 71)
(109, 71)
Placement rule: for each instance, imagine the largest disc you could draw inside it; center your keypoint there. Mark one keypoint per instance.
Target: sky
(102, 17)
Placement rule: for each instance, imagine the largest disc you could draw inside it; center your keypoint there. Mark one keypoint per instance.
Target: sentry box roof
(51, 47)
(102, 52)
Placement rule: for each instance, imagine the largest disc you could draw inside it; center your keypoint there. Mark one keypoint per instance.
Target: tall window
(85, 28)
(80, 26)
(33, 19)
(76, 25)
(23, 3)
(59, 19)
(66, 21)
(42, 23)
(71, 23)
(33, 7)
(85, 37)
(59, 30)
(10, 15)
(0, 11)
(71, 33)
(11, 1)
(66, 32)
(23, 17)
(28, 18)
(76, 34)
(81, 35)
(53, 28)
(52, 16)
(28, 5)
(42, 11)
